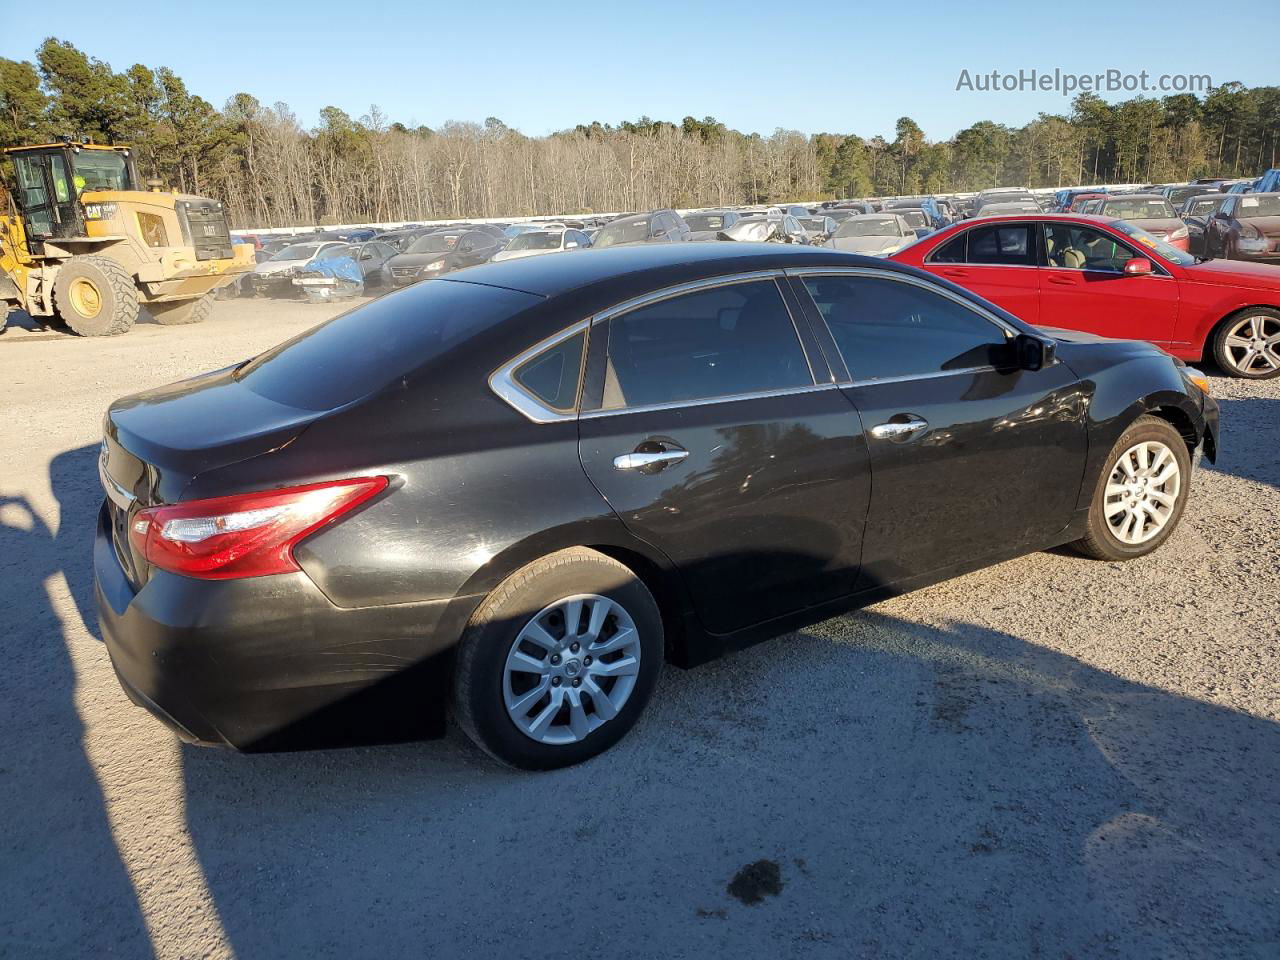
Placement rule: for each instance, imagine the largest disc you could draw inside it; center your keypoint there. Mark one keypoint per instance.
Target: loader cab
(50, 180)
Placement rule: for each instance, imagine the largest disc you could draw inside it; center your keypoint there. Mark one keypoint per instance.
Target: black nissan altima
(520, 490)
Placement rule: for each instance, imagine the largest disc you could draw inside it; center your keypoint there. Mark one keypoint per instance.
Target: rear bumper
(269, 662)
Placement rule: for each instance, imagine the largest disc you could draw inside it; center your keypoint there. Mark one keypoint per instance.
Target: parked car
(1092, 205)
(795, 210)
(1150, 211)
(658, 226)
(532, 243)
(372, 258)
(1000, 195)
(877, 234)
(274, 277)
(917, 219)
(820, 228)
(1246, 227)
(1195, 214)
(1269, 182)
(327, 541)
(1081, 200)
(436, 254)
(1109, 277)
(780, 228)
(937, 220)
(1179, 195)
(1003, 208)
(705, 224)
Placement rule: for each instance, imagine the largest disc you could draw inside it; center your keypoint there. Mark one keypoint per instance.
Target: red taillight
(245, 535)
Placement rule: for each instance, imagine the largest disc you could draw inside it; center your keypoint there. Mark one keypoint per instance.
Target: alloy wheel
(571, 669)
(1253, 344)
(1142, 492)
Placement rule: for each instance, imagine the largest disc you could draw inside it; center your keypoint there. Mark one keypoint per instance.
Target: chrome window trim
(930, 285)
(666, 293)
(907, 377)
(503, 382)
(706, 401)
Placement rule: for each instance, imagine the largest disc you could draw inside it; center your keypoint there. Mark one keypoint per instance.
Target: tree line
(272, 170)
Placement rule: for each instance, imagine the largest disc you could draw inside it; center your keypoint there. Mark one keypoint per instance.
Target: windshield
(1168, 251)
(536, 241)
(1139, 209)
(433, 243)
(705, 221)
(879, 227)
(814, 223)
(298, 251)
(102, 170)
(1262, 205)
(622, 231)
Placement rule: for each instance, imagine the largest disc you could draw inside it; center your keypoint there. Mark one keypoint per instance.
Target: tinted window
(320, 369)
(889, 328)
(1072, 247)
(953, 251)
(1006, 245)
(552, 376)
(710, 343)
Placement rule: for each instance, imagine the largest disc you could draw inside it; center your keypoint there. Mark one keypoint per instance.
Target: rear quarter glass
(362, 351)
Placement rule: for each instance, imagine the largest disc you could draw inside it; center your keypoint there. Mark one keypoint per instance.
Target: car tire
(1134, 510)
(522, 700)
(95, 296)
(1253, 327)
(174, 314)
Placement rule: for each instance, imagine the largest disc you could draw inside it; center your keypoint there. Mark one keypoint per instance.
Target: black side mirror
(1034, 353)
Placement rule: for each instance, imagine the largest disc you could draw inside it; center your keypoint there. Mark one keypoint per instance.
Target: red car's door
(997, 262)
(1083, 286)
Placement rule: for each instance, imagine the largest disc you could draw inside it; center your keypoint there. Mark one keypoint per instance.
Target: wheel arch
(1206, 347)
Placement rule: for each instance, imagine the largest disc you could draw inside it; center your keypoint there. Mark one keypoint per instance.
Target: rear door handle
(656, 458)
(899, 429)
(955, 273)
(1062, 281)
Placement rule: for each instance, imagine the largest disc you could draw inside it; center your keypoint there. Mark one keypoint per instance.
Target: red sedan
(1111, 278)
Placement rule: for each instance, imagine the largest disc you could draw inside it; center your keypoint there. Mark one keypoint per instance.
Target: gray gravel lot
(1054, 757)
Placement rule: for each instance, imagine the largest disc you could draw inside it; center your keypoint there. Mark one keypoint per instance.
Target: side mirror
(1034, 353)
(366, 256)
(1137, 267)
(659, 234)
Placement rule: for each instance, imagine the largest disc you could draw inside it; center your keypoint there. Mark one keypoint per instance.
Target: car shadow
(1242, 454)
(64, 891)
(868, 787)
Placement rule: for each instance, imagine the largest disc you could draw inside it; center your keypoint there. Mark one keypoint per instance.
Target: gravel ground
(1054, 757)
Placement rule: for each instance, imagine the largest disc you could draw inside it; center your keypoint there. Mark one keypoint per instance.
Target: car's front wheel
(1141, 494)
(558, 662)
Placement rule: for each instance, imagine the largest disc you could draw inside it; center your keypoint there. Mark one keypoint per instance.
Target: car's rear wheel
(1248, 344)
(559, 661)
(1141, 494)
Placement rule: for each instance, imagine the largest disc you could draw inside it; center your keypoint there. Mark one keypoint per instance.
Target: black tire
(114, 287)
(478, 680)
(1268, 320)
(1100, 540)
(182, 311)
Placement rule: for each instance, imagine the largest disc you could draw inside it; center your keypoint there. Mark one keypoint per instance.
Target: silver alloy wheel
(1253, 344)
(571, 669)
(1142, 492)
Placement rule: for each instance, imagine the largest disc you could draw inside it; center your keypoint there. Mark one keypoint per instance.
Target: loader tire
(182, 311)
(95, 296)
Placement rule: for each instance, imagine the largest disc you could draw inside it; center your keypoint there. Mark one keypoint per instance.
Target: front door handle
(899, 429)
(655, 459)
(1062, 281)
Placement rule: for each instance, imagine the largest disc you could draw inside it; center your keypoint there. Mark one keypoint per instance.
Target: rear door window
(1007, 245)
(362, 351)
(726, 341)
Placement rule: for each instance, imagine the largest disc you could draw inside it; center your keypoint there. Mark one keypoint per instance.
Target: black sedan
(442, 252)
(520, 490)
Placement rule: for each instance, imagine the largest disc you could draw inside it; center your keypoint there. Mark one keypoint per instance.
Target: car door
(997, 262)
(970, 456)
(1083, 286)
(705, 429)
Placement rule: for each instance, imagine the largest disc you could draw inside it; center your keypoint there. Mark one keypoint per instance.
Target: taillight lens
(245, 535)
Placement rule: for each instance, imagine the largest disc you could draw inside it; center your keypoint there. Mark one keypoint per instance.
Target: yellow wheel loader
(80, 240)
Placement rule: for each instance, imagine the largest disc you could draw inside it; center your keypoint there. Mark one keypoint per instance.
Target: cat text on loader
(80, 240)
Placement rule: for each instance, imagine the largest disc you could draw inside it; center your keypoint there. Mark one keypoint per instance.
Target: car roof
(655, 265)
(1137, 196)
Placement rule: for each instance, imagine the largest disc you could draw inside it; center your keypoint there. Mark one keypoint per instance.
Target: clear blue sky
(542, 65)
